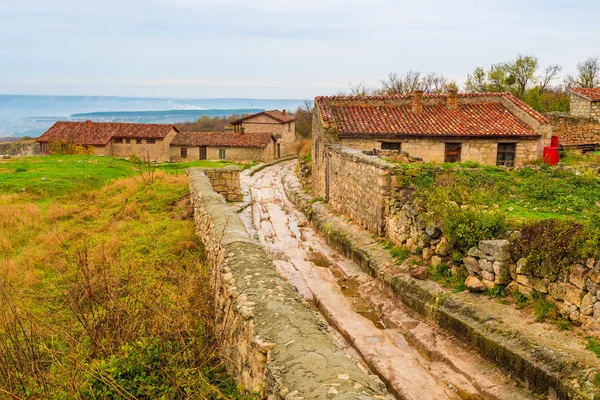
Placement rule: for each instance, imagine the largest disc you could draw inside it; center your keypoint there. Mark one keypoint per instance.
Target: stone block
(489, 284)
(578, 275)
(486, 265)
(521, 265)
(524, 280)
(435, 261)
(443, 248)
(590, 286)
(557, 291)
(587, 304)
(472, 265)
(512, 270)
(474, 285)
(427, 253)
(573, 294)
(489, 276)
(499, 249)
(501, 272)
(475, 252)
(594, 274)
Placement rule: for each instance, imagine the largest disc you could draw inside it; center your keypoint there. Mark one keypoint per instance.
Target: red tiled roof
(100, 133)
(591, 93)
(275, 114)
(222, 139)
(390, 116)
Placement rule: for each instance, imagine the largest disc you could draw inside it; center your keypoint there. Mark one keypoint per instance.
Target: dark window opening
(127, 140)
(118, 140)
(289, 126)
(452, 152)
(506, 155)
(150, 141)
(394, 146)
(184, 152)
(221, 154)
(138, 141)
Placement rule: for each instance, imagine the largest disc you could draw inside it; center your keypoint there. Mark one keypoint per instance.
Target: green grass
(103, 290)
(59, 175)
(594, 346)
(442, 275)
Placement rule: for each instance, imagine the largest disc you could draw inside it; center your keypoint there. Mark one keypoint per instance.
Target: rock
(443, 248)
(524, 280)
(486, 265)
(432, 230)
(427, 253)
(587, 304)
(475, 252)
(521, 265)
(471, 265)
(474, 285)
(590, 325)
(575, 317)
(435, 261)
(557, 291)
(421, 273)
(541, 285)
(511, 287)
(514, 236)
(499, 249)
(567, 309)
(594, 274)
(578, 275)
(410, 245)
(590, 263)
(525, 290)
(591, 287)
(501, 271)
(597, 311)
(573, 294)
(512, 270)
(488, 276)
(489, 284)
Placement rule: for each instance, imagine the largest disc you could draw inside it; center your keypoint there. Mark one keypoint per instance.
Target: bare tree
(550, 73)
(411, 81)
(304, 119)
(588, 74)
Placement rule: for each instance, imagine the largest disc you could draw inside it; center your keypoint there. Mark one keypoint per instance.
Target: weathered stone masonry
(272, 343)
(225, 181)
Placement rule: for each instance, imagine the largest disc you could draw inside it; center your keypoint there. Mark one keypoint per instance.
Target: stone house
(488, 128)
(239, 147)
(116, 139)
(279, 123)
(585, 102)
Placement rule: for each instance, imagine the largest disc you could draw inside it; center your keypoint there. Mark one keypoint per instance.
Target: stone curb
(265, 165)
(544, 370)
(272, 342)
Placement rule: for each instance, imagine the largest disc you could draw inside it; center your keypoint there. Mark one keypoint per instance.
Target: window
(150, 141)
(127, 140)
(44, 147)
(138, 141)
(452, 152)
(117, 140)
(506, 155)
(184, 152)
(221, 154)
(395, 146)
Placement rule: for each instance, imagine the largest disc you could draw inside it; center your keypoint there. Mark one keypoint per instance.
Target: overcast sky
(273, 48)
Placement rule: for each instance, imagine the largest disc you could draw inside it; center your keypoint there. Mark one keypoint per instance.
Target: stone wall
(226, 181)
(157, 151)
(582, 107)
(483, 151)
(19, 149)
(271, 343)
(286, 132)
(573, 130)
(236, 154)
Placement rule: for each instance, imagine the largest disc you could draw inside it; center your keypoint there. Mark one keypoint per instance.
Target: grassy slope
(103, 292)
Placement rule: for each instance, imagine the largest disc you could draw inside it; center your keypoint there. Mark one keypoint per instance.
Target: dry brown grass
(303, 148)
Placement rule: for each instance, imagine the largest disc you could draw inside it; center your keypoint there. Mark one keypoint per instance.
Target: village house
(115, 139)
(488, 128)
(239, 147)
(279, 123)
(585, 102)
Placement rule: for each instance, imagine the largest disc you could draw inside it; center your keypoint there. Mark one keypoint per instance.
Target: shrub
(68, 147)
(465, 228)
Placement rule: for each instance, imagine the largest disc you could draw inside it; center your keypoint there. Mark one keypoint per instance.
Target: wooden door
(452, 152)
(203, 153)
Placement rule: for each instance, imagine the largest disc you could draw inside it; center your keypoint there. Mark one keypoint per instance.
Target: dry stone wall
(272, 343)
(226, 181)
(573, 130)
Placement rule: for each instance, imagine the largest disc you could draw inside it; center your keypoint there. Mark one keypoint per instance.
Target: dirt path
(413, 358)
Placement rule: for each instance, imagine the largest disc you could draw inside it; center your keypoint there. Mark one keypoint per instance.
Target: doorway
(452, 152)
(202, 153)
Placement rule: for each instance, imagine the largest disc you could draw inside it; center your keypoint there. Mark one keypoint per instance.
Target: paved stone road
(413, 358)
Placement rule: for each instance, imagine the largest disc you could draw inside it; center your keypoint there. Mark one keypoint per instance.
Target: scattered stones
(435, 261)
(577, 276)
(443, 248)
(474, 285)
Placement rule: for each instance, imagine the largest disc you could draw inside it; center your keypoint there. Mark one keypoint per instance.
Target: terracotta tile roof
(222, 139)
(389, 116)
(275, 114)
(100, 133)
(591, 93)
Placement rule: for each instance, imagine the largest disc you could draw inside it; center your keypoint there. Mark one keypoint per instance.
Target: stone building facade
(581, 127)
(490, 128)
(279, 123)
(116, 139)
(585, 102)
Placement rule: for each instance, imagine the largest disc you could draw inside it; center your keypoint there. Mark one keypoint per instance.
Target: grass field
(103, 293)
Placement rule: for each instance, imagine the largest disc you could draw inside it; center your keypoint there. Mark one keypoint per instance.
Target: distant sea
(33, 115)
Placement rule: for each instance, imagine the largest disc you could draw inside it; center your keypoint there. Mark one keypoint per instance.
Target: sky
(274, 48)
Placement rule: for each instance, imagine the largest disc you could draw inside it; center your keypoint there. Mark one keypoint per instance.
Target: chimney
(88, 124)
(452, 99)
(284, 113)
(417, 101)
